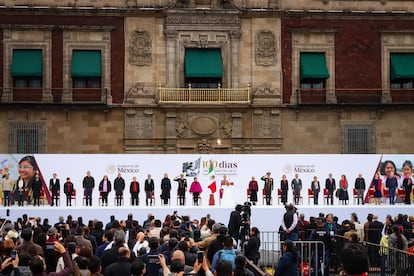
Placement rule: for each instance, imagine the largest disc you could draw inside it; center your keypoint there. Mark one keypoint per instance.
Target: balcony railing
(355, 96)
(12, 95)
(204, 95)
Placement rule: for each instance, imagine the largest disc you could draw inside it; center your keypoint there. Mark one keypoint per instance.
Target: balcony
(354, 96)
(204, 95)
(12, 95)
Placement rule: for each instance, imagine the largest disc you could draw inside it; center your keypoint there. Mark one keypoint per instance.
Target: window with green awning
(313, 66)
(27, 63)
(402, 66)
(86, 63)
(203, 63)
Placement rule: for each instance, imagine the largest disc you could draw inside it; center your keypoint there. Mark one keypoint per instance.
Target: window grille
(27, 137)
(358, 137)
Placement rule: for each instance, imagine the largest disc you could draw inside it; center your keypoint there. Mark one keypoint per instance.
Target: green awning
(86, 63)
(27, 63)
(203, 63)
(313, 66)
(402, 66)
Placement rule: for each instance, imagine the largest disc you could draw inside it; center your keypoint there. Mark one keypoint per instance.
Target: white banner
(238, 168)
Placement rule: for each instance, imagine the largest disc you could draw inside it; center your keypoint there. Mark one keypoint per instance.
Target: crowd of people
(32, 246)
(396, 233)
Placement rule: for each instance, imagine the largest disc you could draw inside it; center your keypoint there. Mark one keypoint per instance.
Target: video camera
(246, 213)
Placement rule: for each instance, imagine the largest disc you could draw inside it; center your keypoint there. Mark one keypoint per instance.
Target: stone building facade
(263, 104)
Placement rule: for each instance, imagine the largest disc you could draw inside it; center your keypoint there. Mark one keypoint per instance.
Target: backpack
(228, 255)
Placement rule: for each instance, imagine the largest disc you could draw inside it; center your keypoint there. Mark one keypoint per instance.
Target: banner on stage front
(238, 169)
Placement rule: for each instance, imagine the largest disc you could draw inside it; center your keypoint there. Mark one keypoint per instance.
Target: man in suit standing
(315, 187)
(149, 189)
(330, 186)
(297, 188)
(119, 187)
(268, 187)
(88, 184)
(68, 190)
(360, 187)
(54, 187)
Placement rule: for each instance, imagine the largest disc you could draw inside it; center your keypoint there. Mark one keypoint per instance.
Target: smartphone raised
(200, 256)
(153, 259)
(13, 254)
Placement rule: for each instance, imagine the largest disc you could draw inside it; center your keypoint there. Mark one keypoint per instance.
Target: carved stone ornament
(180, 128)
(140, 48)
(227, 128)
(265, 48)
(204, 146)
(266, 90)
(137, 92)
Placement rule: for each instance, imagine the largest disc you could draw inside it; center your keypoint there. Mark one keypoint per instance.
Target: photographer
(235, 222)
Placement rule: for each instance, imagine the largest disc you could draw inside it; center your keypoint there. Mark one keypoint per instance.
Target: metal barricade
(383, 261)
(389, 261)
(313, 259)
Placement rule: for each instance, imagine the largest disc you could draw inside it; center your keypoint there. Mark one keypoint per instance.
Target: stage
(266, 218)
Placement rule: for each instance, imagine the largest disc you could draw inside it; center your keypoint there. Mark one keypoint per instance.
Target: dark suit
(252, 249)
(88, 184)
(36, 188)
(119, 187)
(330, 186)
(374, 236)
(111, 255)
(68, 190)
(165, 189)
(284, 187)
(182, 187)
(54, 187)
(297, 188)
(134, 190)
(149, 189)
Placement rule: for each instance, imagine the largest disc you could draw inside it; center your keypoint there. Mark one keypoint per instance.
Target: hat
(51, 231)
(12, 234)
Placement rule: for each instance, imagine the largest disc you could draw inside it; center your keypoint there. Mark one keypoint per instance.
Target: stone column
(171, 58)
(235, 54)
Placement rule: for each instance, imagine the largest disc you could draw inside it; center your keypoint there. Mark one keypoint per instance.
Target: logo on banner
(304, 169)
(287, 168)
(221, 168)
(110, 169)
(192, 168)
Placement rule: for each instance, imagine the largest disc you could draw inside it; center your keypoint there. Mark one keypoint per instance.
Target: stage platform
(266, 218)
